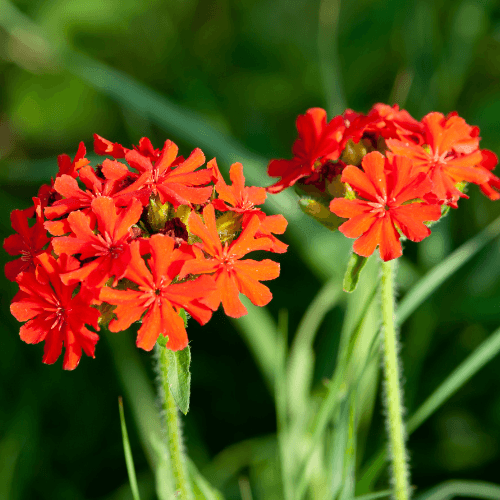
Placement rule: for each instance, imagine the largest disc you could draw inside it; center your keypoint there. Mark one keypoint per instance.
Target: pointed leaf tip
(179, 377)
(353, 272)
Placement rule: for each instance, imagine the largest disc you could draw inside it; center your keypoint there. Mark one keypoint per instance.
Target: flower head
(54, 312)
(386, 185)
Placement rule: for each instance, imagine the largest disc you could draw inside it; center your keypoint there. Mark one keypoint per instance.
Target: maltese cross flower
(318, 143)
(54, 313)
(182, 185)
(27, 242)
(231, 274)
(386, 184)
(109, 248)
(157, 296)
(451, 156)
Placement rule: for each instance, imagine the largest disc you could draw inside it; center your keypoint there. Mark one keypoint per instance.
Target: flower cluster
(139, 239)
(385, 171)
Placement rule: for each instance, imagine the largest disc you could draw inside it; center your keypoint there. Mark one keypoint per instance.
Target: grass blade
(258, 330)
(301, 360)
(461, 375)
(468, 489)
(129, 460)
(440, 273)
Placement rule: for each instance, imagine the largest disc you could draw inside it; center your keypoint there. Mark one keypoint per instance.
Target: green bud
(228, 226)
(158, 213)
(336, 188)
(353, 153)
(317, 210)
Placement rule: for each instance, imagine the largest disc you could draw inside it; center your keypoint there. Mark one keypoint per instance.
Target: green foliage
(129, 460)
(179, 377)
(354, 268)
(217, 78)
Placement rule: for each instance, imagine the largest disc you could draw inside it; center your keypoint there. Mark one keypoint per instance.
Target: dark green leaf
(179, 377)
(128, 454)
(354, 267)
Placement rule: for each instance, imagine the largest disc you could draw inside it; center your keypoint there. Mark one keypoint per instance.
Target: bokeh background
(231, 77)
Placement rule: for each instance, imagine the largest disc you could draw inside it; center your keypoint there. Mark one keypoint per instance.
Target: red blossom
(232, 275)
(54, 313)
(108, 248)
(46, 193)
(386, 184)
(237, 197)
(174, 179)
(319, 142)
(74, 198)
(157, 296)
(451, 155)
(27, 242)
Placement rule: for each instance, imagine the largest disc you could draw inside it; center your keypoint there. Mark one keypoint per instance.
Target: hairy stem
(393, 391)
(172, 426)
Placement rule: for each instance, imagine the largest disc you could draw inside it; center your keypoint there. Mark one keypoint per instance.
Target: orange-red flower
(318, 143)
(108, 248)
(386, 184)
(451, 155)
(237, 197)
(232, 275)
(157, 296)
(27, 242)
(54, 313)
(174, 179)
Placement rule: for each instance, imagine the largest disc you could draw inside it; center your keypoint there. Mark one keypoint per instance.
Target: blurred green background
(231, 77)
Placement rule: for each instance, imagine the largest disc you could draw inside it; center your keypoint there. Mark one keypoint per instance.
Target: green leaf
(464, 372)
(129, 460)
(202, 489)
(162, 340)
(354, 268)
(466, 489)
(438, 274)
(179, 377)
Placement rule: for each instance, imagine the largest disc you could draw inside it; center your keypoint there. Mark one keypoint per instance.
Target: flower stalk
(393, 390)
(171, 423)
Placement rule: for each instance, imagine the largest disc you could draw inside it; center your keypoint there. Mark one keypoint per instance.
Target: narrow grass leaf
(460, 376)
(258, 330)
(466, 489)
(129, 460)
(301, 360)
(281, 398)
(202, 489)
(440, 273)
(374, 496)
(349, 479)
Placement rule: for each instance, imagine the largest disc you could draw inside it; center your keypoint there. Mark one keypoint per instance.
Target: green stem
(393, 392)
(173, 429)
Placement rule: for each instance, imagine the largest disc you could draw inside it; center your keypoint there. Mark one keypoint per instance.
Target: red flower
(386, 184)
(109, 247)
(240, 198)
(46, 193)
(53, 312)
(181, 185)
(157, 296)
(383, 121)
(27, 242)
(231, 274)
(451, 155)
(104, 147)
(317, 144)
(76, 198)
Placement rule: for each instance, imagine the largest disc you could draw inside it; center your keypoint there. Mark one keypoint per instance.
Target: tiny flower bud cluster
(385, 171)
(137, 238)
